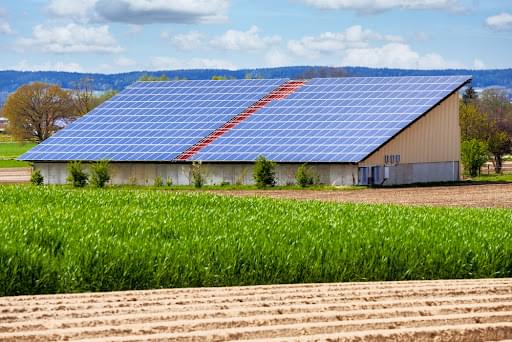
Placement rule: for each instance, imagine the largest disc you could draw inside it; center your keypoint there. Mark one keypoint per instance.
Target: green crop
(58, 239)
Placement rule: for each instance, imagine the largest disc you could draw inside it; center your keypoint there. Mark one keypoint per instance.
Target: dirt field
(484, 196)
(15, 175)
(463, 310)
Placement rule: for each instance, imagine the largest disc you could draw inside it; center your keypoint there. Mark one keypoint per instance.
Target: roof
(319, 120)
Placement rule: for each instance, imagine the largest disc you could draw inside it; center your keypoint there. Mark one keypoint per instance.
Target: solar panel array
(332, 120)
(152, 121)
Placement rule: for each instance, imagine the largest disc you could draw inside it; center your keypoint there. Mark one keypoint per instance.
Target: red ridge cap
(280, 93)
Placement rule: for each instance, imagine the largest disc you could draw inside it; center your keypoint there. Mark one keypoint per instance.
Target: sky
(111, 36)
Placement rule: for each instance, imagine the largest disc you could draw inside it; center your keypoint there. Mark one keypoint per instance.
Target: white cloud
(72, 38)
(125, 62)
(376, 6)
(185, 41)
(134, 29)
(335, 42)
(168, 63)
(277, 58)
(82, 10)
(48, 66)
(244, 40)
(141, 11)
(5, 28)
(395, 55)
(502, 21)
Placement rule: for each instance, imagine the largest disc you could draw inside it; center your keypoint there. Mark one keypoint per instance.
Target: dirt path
(484, 196)
(15, 175)
(462, 310)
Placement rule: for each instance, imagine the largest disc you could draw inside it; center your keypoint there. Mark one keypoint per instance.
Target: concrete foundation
(423, 173)
(214, 173)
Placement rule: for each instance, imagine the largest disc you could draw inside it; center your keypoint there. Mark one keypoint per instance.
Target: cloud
(335, 42)
(168, 63)
(82, 10)
(185, 41)
(48, 66)
(395, 55)
(125, 62)
(244, 40)
(376, 6)
(141, 11)
(71, 38)
(502, 21)
(276, 58)
(5, 28)
(478, 64)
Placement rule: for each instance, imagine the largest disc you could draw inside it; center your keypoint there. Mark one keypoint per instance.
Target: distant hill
(11, 80)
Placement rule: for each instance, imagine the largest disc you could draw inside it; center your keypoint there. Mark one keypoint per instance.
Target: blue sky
(112, 36)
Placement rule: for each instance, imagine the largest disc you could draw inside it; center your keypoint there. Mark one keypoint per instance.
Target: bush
(197, 175)
(474, 155)
(77, 177)
(99, 173)
(158, 182)
(168, 181)
(305, 176)
(37, 178)
(264, 172)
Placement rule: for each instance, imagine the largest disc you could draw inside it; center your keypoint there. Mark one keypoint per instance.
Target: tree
(496, 104)
(37, 110)
(264, 172)
(470, 95)
(474, 156)
(84, 99)
(499, 144)
(304, 175)
(473, 123)
(152, 78)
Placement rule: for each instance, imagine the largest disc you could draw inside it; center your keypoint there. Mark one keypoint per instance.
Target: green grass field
(10, 151)
(56, 239)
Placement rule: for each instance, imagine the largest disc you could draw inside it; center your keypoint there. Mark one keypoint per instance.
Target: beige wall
(433, 138)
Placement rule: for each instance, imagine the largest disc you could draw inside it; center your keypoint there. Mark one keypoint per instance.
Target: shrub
(100, 173)
(77, 177)
(474, 155)
(305, 176)
(264, 172)
(168, 181)
(36, 178)
(158, 182)
(197, 175)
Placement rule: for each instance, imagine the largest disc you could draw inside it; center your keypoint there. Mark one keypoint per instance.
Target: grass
(493, 178)
(57, 239)
(10, 151)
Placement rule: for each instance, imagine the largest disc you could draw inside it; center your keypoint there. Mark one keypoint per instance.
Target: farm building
(353, 130)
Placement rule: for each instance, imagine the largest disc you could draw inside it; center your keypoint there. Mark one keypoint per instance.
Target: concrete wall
(145, 173)
(423, 173)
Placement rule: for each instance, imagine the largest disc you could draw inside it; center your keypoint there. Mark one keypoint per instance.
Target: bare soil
(451, 310)
(483, 196)
(15, 175)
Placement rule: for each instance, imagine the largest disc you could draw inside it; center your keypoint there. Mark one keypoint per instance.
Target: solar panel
(332, 120)
(152, 121)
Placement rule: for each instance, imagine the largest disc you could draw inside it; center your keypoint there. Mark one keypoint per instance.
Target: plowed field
(453, 310)
(480, 196)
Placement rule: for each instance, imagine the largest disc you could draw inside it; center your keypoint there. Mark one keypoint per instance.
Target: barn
(351, 130)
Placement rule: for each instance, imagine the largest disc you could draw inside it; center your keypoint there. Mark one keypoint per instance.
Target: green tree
(151, 78)
(499, 144)
(474, 155)
(264, 172)
(496, 104)
(76, 175)
(473, 123)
